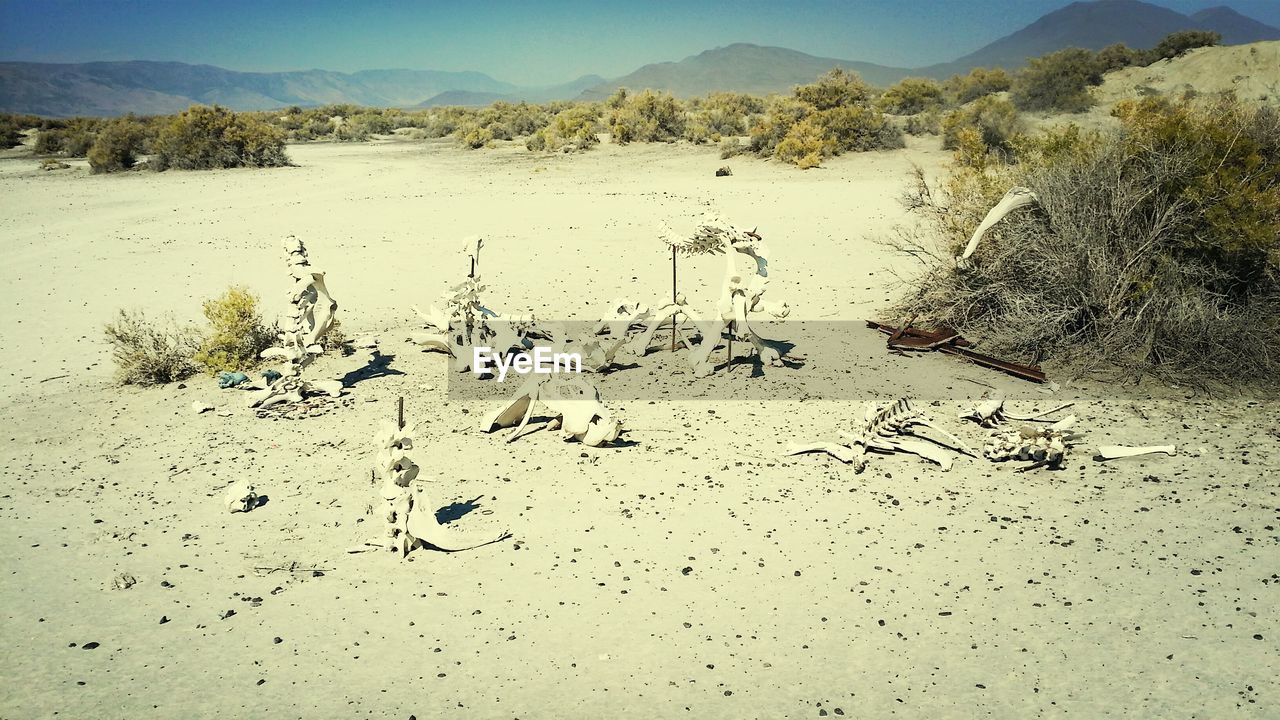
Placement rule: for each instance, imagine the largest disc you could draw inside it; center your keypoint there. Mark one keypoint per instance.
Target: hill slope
(1095, 25)
(741, 67)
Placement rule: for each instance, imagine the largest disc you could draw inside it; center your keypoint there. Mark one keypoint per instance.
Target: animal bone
(409, 514)
(883, 429)
(1113, 452)
(741, 294)
(240, 497)
(312, 316)
(989, 412)
(1042, 446)
(573, 402)
(1018, 197)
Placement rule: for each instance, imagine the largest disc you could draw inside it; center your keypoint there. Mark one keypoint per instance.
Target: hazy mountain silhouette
(114, 88)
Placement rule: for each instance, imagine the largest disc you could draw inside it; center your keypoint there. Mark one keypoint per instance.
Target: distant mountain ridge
(146, 87)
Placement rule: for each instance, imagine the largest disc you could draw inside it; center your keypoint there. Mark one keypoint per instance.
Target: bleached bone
(312, 316)
(1040, 446)
(409, 513)
(741, 295)
(573, 402)
(1114, 452)
(883, 430)
(989, 411)
(1018, 197)
(240, 497)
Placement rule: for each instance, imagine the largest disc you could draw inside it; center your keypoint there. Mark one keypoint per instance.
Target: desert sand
(692, 572)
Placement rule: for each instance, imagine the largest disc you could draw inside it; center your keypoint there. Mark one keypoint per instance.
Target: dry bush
(574, 128)
(1058, 81)
(993, 120)
(836, 88)
(781, 114)
(644, 117)
(911, 96)
(964, 89)
(117, 146)
(237, 334)
(721, 115)
(205, 137)
(925, 123)
(1156, 251)
(806, 144)
(471, 134)
(731, 147)
(148, 353)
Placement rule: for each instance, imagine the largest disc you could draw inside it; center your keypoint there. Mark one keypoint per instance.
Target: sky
(522, 42)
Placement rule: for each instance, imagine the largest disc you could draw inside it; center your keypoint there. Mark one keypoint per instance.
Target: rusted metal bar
(948, 341)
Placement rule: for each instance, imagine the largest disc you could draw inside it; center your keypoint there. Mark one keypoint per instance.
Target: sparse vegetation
(1058, 81)
(151, 353)
(1157, 250)
(574, 128)
(991, 121)
(237, 335)
(964, 89)
(205, 137)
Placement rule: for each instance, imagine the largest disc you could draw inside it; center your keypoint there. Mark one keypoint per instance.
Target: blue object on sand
(231, 379)
(271, 376)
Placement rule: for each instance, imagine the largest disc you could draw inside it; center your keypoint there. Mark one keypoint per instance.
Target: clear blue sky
(521, 42)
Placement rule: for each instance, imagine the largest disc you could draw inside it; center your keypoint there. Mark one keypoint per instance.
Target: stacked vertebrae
(311, 316)
(396, 472)
(1040, 446)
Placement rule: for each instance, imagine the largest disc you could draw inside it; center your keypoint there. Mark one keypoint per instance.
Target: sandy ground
(691, 573)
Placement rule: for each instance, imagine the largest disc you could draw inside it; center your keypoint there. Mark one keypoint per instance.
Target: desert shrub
(72, 138)
(992, 120)
(645, 117)
(806, 144)
(731, 147)
(1057, 81)
(1155, 248)
(149, 353)
(911, 96)
(116, 146)
(721, 115)
(1118, 56)
(964, 89)
(574, 128)
(10, 133)
(781, 114)
(237, 335)
(925, 123)
(473, 135)
(837, 88)
(1175, 44)
(859, 129)
(205, 137)
(335, 338)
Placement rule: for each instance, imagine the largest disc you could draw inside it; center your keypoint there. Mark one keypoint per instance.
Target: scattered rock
(198, 407)
(724, 172)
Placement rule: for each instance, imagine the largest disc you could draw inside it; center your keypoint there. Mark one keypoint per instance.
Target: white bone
(1017, 197)
(1113, 452)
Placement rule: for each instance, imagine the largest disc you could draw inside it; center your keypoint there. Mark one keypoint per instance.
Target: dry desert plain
(690, 572)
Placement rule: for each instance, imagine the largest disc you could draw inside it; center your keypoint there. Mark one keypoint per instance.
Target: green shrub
(994, 119)
(1155, 248)
(721, 115)
(72, 139)
(1175, 44)
(911, 96)
(1118, 56)
(964, 89)
(237, 335)
(472, 135)
(10, 134)
(204, 137)
(645, 117)
(859, 129)
(837, 88)
(147, 353)
(806, 144)
(116, 146)
(1058, 81)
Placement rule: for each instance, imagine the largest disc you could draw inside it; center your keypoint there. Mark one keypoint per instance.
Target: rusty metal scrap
(950, 342)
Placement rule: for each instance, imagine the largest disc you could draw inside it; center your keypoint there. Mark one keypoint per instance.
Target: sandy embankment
(1143, 587)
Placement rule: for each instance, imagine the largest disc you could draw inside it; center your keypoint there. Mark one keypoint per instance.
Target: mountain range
(145, 87)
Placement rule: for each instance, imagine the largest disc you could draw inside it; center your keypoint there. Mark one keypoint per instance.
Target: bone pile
(892, 427)
(573, 402)
(1042, 447)
(311, 317)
